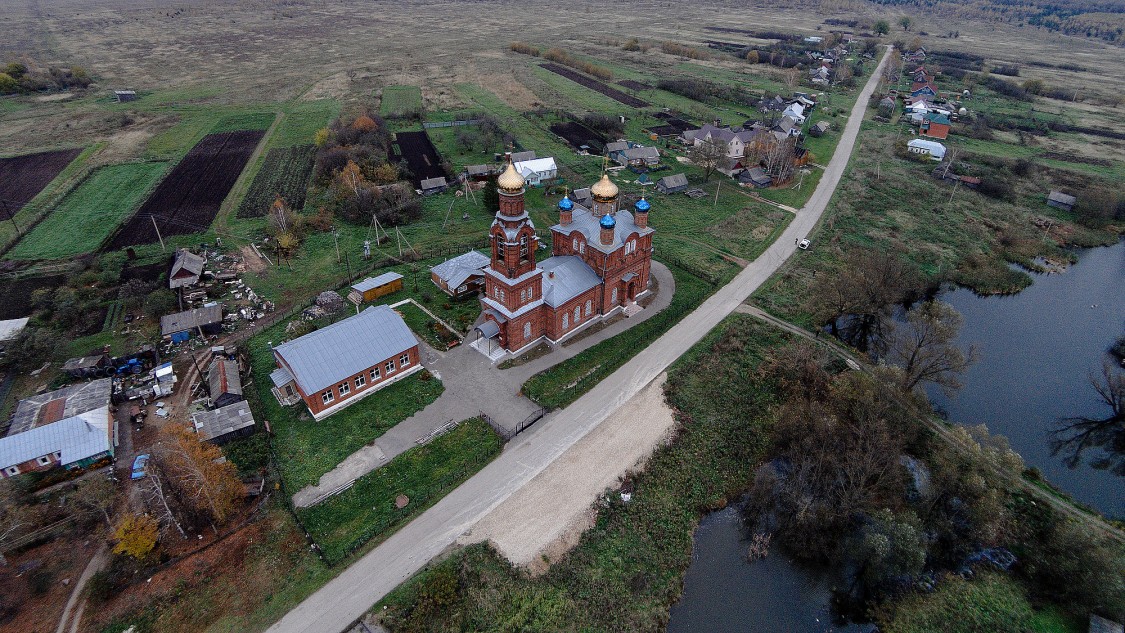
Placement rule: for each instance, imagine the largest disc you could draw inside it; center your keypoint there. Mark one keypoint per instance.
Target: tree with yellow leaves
(136, 536)
(203, 482)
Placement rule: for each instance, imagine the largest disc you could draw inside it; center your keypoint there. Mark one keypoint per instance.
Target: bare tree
(15, 517)
(779, 156)
(792, 78)
(96, 495)
(158, 499)
(708, 155)
(1074, 436)
(925, 350)
(204, 484)
(857, 300)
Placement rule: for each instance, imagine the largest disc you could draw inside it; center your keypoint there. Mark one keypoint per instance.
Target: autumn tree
(320, 139)
(708, 155)
(364, 123)
(136, 536)
(752, 56)
(924, 348)
(1076, 435)
(792, 78)
(204, 483)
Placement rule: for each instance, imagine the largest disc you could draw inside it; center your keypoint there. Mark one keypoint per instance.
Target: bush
(160, 302)
(997, 188)
(525, 48)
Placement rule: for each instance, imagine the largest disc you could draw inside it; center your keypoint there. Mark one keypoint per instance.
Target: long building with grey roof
(70, 427)
(600, 265)
(342, 363)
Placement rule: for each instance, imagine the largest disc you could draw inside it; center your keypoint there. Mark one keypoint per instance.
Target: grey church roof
(565, 277)
(455, 271)
(585, 222)
(335, 353)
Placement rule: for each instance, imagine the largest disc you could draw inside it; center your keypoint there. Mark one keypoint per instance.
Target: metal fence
(508, 433)
(432, 124)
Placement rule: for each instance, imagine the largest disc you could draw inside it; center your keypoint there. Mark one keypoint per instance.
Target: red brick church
(600, 264)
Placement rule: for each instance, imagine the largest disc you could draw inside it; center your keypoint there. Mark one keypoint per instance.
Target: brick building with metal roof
(342, 363)
(69, 427)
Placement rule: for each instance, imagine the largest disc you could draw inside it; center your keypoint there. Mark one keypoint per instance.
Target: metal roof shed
(224, 424)
(200, 318)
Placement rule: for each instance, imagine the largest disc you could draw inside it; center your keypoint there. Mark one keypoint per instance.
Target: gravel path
(345, 598)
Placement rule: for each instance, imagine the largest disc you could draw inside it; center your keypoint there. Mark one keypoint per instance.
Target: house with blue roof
(345, 362)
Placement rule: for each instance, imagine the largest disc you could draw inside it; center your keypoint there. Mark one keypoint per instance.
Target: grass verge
(367, 510)
(566, 382)
(307, 449)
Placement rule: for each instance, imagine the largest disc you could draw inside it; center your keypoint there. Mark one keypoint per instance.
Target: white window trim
(327, 396)
(43, 461)
(376, 374)
(389, 366)
(360, 381)
(566, 320)
(404, 360)
(12, 470)
(527, 330)
(344, 388)
(589, 307)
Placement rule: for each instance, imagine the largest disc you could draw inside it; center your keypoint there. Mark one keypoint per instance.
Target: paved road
(348, 596)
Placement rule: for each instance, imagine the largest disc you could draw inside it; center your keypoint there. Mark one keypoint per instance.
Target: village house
(795, 111)
(755, 177)
(181, 326)
(639, 157)
(223, 424)
(70, 428)
(187, 267)
(479, 173)
(460, 276)
(675, 183)
(933, 149)
(600, 265)
(538, 170)
(223, 382)
(519, 157)
(734, 141)
(372, 288)
(432, 186)
(935, 125)
(345, 362)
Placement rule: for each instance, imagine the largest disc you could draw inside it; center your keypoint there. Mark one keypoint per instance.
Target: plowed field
(189, 198)
(23, 177)
(594, 84)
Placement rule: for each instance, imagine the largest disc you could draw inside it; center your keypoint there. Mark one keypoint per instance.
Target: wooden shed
(372, 288)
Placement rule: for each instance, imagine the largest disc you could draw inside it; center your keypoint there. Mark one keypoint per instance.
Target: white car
(804, 245)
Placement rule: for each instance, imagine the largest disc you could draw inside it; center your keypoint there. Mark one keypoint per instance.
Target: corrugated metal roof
(455, 271)
(180, 321)
(76, 438)
(1058, 196)
(433, 183)
(675, 180)
(221, 421)
(281, 377)
(77, 399)
(565, 277)
(189, 262)
(222, 378)
(11, 327)
(345, 348)
(372, 283)
(536, 166)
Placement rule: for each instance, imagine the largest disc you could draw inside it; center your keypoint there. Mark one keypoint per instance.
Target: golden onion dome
(510, 181)
(604, 190)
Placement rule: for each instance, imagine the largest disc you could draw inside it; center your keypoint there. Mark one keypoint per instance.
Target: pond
(1037, 350)
(725, 592)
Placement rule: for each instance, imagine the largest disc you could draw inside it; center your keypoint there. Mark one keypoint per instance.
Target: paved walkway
(472, 384)
(345, 598)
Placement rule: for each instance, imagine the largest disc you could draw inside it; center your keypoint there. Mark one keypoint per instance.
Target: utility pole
(153, 218)
(717, 186)
(348, 261)
(336, 242)
(11, 217)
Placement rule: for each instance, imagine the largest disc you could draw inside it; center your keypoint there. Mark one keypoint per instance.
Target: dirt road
(345, 598)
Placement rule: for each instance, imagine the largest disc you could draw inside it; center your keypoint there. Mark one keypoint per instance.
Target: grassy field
(45, 201)
(90, 213)
(566, 382)
(400, 100)
(307, 449)
(628, 568)
(991, 602)
(347, 521)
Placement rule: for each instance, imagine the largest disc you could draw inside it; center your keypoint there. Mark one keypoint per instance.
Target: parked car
(139, 466)
(804, 245)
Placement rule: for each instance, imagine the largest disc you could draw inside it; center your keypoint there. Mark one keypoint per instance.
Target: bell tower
(512, 233)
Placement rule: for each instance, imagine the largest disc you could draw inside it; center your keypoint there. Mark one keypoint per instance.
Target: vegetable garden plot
(23, 177)
(578, 135)
(285, 172)
(189, 198)
(595, 85)
(420, 155)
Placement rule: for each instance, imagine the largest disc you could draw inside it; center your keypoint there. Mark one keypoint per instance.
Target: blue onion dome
(608, 222)
(566, 204)
(642, 206)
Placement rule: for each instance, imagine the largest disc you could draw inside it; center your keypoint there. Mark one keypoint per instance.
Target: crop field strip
(88, 215)
(595, 85)
(285, 172)
(23, 177)
(190, 196)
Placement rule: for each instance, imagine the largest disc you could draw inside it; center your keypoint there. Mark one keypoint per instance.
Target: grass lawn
(435, 334)
(250, 120)
(991, 602)
(302, 120)
(424, 474)
(306, 449)
(90, 212)
(399, 100)
(566, 382)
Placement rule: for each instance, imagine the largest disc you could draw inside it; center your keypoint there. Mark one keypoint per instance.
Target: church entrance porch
(487, 341)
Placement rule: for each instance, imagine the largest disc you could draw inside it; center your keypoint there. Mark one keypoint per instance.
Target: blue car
(139, 466)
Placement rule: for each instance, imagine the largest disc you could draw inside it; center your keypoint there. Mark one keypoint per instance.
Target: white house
(536, 170)
(795, 111)
(934, 149)
(735, 142)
